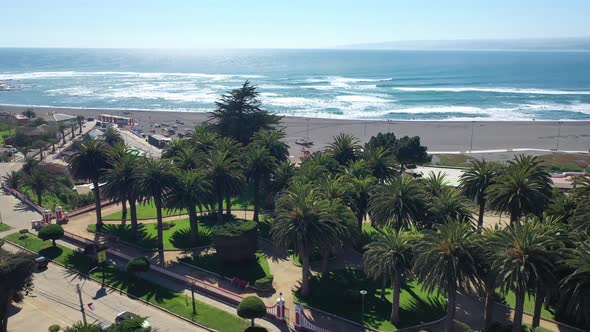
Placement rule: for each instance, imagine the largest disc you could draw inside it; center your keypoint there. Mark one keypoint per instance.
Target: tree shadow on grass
(249, 270)
(51, 252)
(181, 238)
(124, 232)
(338, 292)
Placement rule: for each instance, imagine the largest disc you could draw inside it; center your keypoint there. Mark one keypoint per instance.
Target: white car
(125, 315)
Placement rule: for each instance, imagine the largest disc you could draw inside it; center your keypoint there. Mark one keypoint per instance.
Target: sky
(281, 23)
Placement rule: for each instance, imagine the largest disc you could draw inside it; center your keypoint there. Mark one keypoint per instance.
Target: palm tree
(444, 262)
(475, 181)
(449, 204)
(112, 136)
(281, 176)
(582, 185)
(88, 163)
(40, 182)
(120, 184)
(29, 113)
(344, 148)
(486, 273)
(187, 158)
(271, 141)
(389, 256)
(80, 119)
(30, 164)
(435, 183)
(226, 171)
(203, 138)
(259, 165)
(519, 192)
(173, 148)
(562, 206)
(191, 189)
(358, 196)
(62, 130)
(575, 298)
(303, 222)
(381, 163)
(399, 202)
(521, 257)
(156, 179)
(13, 179)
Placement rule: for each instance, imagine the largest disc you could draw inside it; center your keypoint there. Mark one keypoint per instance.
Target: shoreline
(437, 135)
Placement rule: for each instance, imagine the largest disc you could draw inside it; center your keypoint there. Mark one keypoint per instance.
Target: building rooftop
(58, 117)
(160, 137)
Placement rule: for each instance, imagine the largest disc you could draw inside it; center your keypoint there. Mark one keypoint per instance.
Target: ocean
(343, 84)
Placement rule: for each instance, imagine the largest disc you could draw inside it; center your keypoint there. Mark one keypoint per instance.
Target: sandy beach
(439, 136)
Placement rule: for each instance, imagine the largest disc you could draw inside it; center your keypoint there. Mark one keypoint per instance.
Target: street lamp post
(363, 293)
(471, 142)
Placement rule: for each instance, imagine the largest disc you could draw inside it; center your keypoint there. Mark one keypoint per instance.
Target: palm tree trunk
(133, 211)
(539, 298)
(219, 204)
(451, 296)
(63, 137)
(158, 203)
(383, 285)
(39, 199)
(325, 260)
(124, 209)
(80, 125)
(482, 206)
(256, 198)
(518, 309)
(192, 214)
(304, 272)
(396, 286)
(228, 203)
(359, 220)
(488, 314)
(98, 208)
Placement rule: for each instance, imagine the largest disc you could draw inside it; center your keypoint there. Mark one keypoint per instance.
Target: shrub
(251, 307)
(54, 328)
(166, 225)
(1, 242)
(265, 283)
(138, 265)
(51, 232)
(236, 240)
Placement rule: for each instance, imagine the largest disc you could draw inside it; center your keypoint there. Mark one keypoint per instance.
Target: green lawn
(250, 270)
(4, 227)
(176, 302)
(5, 131)
(177, 237)
(148, 210)
(338, 293)
(529, 305)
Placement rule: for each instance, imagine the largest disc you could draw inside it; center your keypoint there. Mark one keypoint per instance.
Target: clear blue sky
(280, 23)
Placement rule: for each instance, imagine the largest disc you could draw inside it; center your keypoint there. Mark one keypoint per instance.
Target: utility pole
(471, 143)
(307, 133)
(365, 128)
(81, 303)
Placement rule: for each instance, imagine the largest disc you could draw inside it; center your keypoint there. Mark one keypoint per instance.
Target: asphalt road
(54, 301)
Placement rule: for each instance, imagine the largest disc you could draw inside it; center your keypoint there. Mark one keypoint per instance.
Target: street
(54, 300)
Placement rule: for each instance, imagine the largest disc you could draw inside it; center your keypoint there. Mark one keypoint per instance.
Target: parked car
(41, 263)
(125, 315)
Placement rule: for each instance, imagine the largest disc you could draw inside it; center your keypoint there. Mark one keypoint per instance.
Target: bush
(51, 232)
(137, 265)
(264, 284)
(235, 241)
(251, 307)
(54, 328)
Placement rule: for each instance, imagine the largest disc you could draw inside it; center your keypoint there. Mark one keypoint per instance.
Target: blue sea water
(348, 84)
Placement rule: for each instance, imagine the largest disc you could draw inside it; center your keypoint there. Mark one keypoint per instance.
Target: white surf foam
(494, 90)
(63, 74)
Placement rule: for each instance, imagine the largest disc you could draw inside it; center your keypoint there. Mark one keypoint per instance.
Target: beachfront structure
(158, 140)
(13, 118)
(119, 120)
(55, 119)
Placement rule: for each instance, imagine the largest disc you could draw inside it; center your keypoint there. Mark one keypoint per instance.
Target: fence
(302, 323)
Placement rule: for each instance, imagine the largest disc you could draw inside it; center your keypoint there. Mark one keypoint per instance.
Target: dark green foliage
(129, 325)
(255, 329)
(166, 225)
(264, 284)
(16, 280)
(54, 328)
(407, 150)
(138, 265)
(29, 113)
(251, 307)
(233, 228)
(111, 136)
(385, 140)
(345, 148)
(238, 114)
(51, 232)
(13, 179)
(84, 327)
